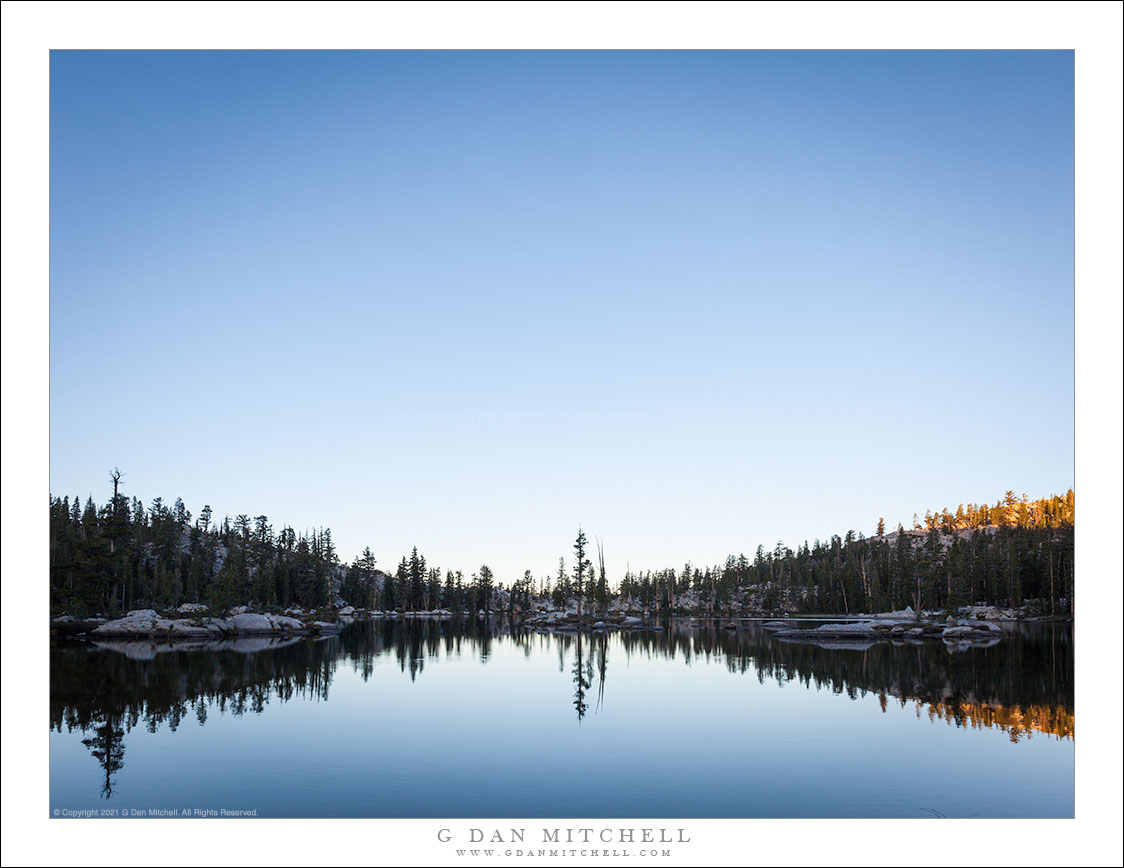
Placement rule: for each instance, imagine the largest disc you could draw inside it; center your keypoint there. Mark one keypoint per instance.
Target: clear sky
(693, 301)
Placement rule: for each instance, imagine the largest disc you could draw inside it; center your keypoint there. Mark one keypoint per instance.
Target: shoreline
(973, 626)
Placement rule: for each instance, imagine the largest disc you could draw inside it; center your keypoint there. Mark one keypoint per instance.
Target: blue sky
(694, 301)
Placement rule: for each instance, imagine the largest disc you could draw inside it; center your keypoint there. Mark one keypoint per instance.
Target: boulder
(217, 627)
(250, 622)
(347, 610)
(906, 614)
(142, 613)
(188, 630)
(143, 624)
(991, 613)
(247, 622)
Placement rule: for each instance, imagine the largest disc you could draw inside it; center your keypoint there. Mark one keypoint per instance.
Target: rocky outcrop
(906, 614)
(146, 623)
(972, 632)
(962, 634)
(991, 613)
(254, 623)
(140, 623)
(859, 631)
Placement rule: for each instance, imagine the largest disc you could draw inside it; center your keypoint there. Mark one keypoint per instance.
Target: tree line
(123, 555)
(1006, 554)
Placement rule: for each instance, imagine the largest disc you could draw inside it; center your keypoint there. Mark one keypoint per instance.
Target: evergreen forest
(124, 555)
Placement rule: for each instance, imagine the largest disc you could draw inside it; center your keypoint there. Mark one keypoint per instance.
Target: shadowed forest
(123, 555)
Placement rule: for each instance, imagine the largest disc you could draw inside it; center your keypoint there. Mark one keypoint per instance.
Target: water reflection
(107, 746)
(583, 680)
(1022, 686)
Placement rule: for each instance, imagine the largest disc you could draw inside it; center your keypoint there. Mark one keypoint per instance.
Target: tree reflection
(107, 745)
(1022, 685)
(583, 679)
(602, 644)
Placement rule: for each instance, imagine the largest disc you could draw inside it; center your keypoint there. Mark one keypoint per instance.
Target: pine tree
(484, 590)
(581, 565)
(561, 585)
(416, 576)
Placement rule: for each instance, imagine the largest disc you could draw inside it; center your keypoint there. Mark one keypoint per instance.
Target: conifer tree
(484, 589)
(580, 566)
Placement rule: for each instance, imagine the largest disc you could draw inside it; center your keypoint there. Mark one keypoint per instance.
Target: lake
(440, 718)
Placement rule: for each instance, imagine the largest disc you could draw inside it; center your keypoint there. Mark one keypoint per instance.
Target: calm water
(437, 719)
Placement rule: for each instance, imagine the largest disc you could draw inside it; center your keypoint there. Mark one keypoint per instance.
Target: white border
(30, 29)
